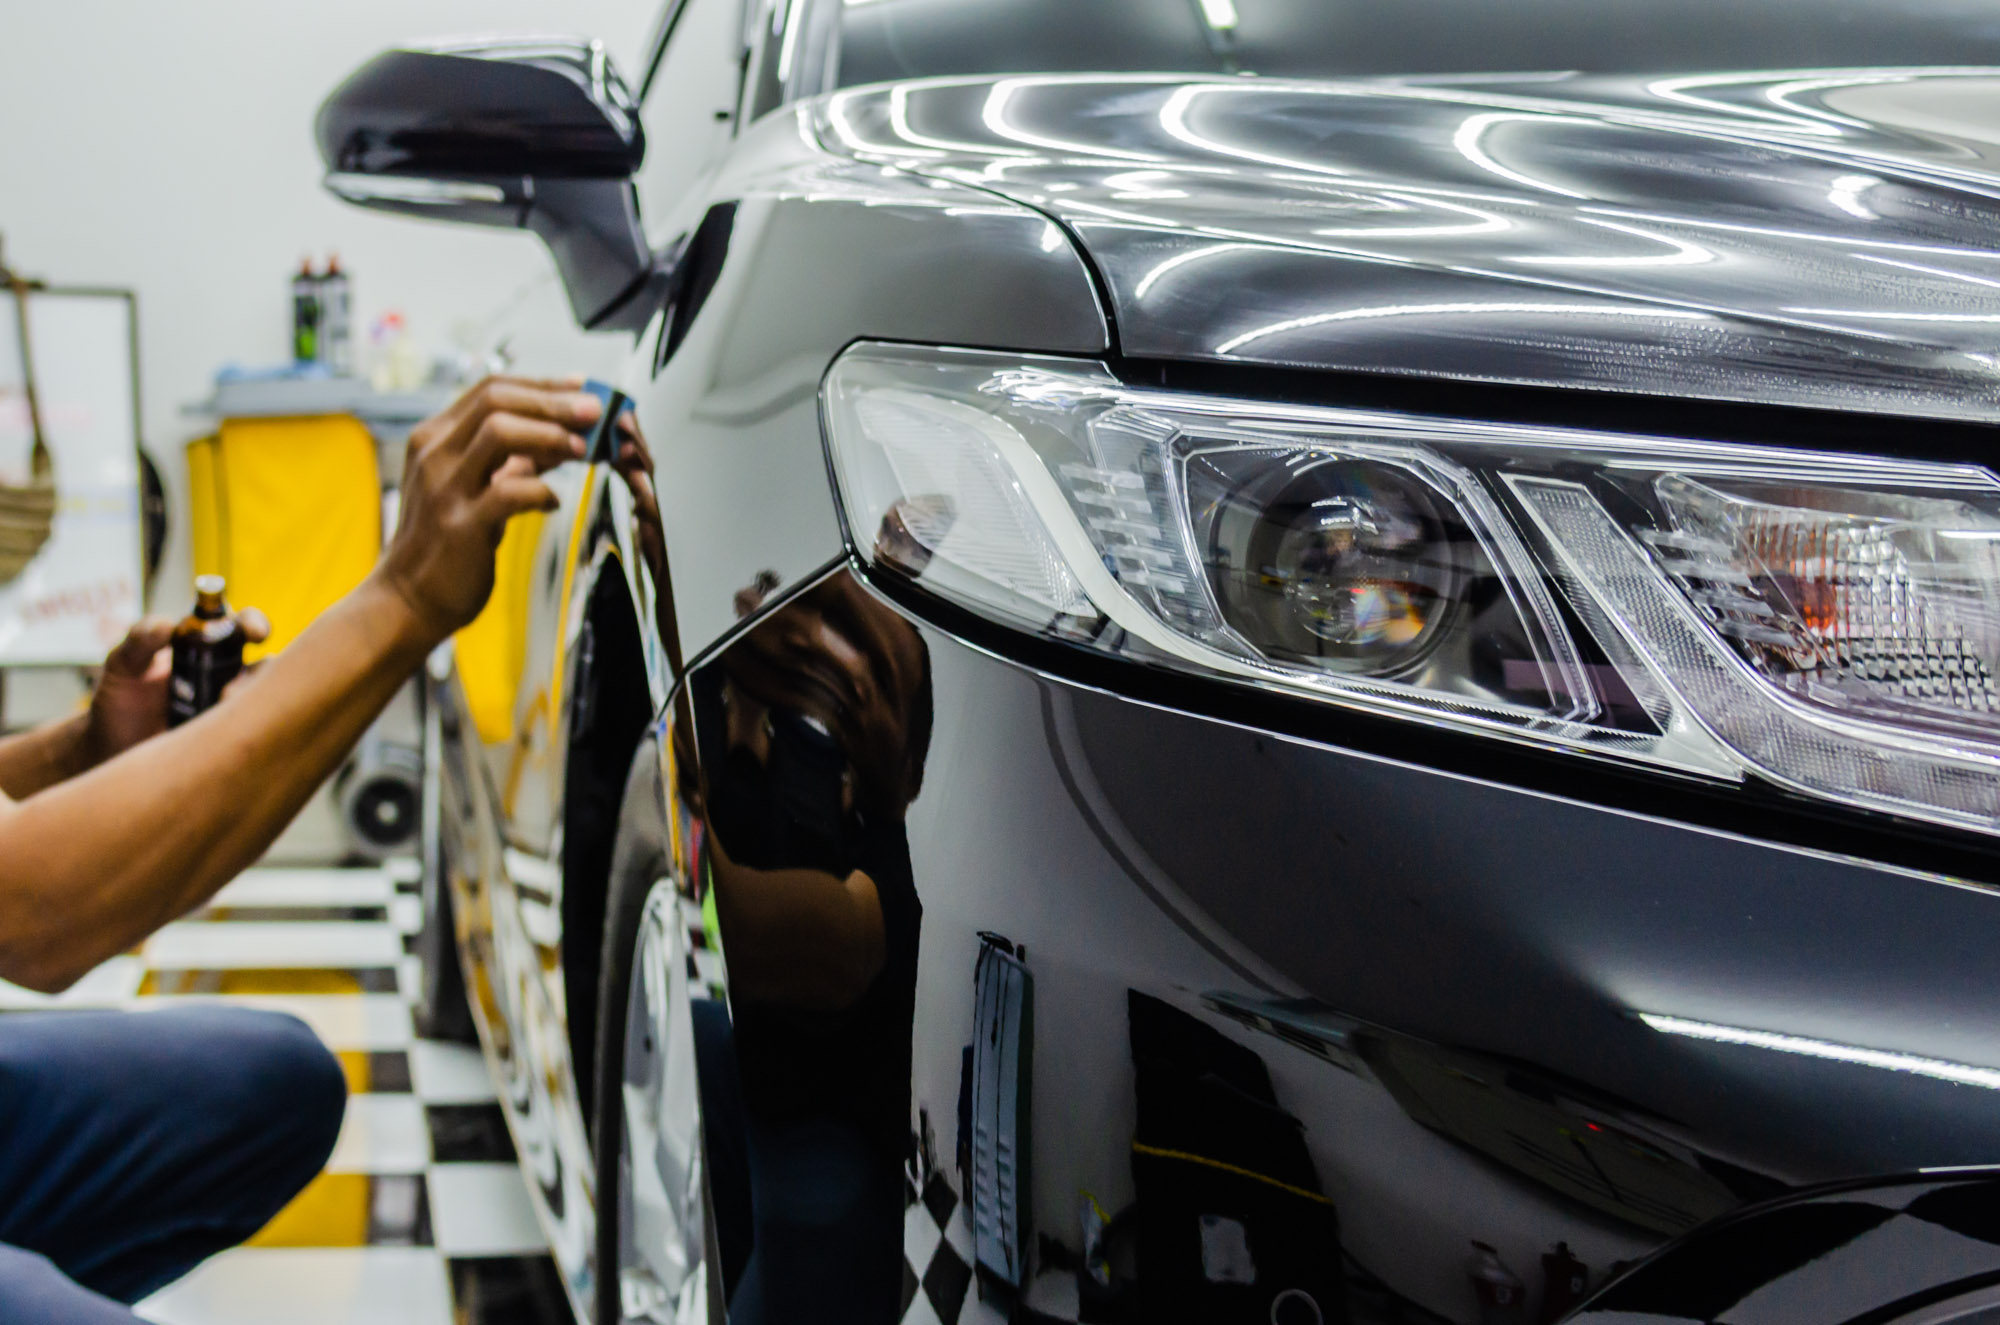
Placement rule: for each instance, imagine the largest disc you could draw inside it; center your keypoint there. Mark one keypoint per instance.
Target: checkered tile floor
(938, 1287)
(422, 1217)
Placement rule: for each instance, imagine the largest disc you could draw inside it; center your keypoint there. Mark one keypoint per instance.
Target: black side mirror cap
(537, 133)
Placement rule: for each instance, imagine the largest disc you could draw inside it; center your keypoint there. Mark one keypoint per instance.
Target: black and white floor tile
(939, 1286)
(422, 1216)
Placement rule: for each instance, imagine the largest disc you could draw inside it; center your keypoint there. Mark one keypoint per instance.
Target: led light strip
(1939, 1069)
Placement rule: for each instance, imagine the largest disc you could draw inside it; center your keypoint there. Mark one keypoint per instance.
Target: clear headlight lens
(1830, 623)
(1844, 598)
(1343, 564)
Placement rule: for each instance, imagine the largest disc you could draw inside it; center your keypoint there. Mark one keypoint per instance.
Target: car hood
(1825, 238)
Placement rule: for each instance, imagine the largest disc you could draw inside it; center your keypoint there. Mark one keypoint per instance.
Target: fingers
(645, 501)
(567, 382)
(502, 396)
(134, 653)
(510, 494)
(543, 443)
(438, 440)
(256, 626)
(634, 463)
(632, 448)
(478, 397)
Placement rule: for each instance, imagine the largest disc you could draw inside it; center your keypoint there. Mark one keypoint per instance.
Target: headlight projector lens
(1347, 564)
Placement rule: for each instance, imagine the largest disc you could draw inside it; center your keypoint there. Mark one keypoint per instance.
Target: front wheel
(653, 1235)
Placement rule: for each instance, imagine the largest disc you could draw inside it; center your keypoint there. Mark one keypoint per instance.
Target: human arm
(94, 863)
(799, 938)
(55, 752)
(127, 705)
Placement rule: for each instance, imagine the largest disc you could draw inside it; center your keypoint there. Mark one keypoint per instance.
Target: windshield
(883, 40)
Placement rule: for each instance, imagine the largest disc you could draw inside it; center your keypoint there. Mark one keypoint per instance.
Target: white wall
(168, 148)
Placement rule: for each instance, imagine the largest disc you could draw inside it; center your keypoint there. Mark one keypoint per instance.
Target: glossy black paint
(552, 109)
(535, 133)
(813, 733)
(912, 39)
(821, 251)
(1110, 998)
(1819, 241)
(1441, 982)
(1921, 1248)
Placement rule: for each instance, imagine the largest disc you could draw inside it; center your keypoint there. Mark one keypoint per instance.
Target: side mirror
(539, 133)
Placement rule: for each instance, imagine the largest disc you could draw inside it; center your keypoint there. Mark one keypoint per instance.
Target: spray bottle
(305, 314)
(336, 319)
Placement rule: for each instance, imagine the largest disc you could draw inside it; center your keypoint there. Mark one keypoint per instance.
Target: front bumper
(1494, 1015)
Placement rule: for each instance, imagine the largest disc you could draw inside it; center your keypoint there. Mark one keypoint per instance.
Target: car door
(508, 666)
(528, 671)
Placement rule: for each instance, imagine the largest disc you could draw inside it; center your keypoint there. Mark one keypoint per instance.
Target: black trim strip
(656, 47)
(1445, 399)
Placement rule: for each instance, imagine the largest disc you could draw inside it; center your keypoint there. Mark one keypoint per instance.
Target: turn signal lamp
(1830, 623)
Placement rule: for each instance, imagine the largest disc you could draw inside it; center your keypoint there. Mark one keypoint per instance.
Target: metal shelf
(289, 397)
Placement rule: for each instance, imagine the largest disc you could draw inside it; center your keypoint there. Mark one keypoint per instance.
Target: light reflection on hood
(1816, 237)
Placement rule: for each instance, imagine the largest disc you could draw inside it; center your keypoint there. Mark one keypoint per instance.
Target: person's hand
(633, 461)
(129, 703)
(467, 472)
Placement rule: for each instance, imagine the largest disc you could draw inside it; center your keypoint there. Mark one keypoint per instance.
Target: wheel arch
(608, 710)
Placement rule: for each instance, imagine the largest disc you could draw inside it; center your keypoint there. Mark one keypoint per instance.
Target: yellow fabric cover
(492, 650)
(204, 517)
(289, 511)
(297, 516)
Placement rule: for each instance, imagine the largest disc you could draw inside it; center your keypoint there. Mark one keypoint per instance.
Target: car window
(690, 103)
(881, 40)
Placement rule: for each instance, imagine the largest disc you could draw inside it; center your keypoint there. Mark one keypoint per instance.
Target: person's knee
(307, 1083)
(158, 1138)
(284, 1084)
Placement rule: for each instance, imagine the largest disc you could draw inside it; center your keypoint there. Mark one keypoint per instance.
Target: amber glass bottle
(208, 652)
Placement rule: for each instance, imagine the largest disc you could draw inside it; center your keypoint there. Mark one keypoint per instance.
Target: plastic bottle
(394, 363)
(305, 314)
(336, 340)
(208, 653)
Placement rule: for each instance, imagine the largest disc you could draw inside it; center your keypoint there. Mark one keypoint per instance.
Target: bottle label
(201, 670)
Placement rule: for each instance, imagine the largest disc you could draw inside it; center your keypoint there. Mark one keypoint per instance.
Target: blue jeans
(828, 1210)
(135, 1144)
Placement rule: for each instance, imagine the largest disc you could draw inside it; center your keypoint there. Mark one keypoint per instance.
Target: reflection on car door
(511, 667)
(810, 736)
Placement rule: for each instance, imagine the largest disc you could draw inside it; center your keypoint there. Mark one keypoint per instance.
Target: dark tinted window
(894, 39)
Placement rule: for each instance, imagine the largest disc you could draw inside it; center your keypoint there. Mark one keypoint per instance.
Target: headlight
(1830, 623)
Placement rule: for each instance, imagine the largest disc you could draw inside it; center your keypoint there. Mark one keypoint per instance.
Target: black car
(1247, 661)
